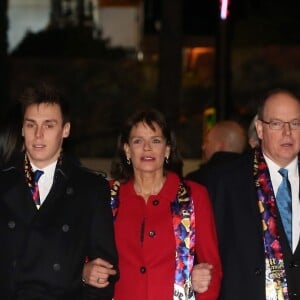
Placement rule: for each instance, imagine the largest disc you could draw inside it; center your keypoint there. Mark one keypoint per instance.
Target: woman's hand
(201, 277)
(97, 272)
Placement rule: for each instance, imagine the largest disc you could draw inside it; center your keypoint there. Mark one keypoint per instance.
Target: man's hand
(97, 272)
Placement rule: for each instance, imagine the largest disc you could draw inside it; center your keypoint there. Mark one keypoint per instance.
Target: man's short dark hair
(45, 93)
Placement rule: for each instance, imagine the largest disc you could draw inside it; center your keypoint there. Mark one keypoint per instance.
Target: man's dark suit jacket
(239, 227)
(42, 252)
(207, 171)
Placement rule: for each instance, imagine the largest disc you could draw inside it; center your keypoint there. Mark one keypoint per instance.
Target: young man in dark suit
(49, 228)
(260, 252)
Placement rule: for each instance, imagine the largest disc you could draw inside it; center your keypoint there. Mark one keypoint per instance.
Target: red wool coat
(146, 243)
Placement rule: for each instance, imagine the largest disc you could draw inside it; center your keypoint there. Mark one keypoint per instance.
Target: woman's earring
(166, 160)
(128, 161)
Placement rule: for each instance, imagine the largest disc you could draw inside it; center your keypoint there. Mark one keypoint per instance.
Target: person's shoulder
(233, 170)
(96, 176)
(15, 165)
(76, 169)
(197, 190)
(193, 175)
(199, 175)
(195, 186)
(92, 172)
(199, 194)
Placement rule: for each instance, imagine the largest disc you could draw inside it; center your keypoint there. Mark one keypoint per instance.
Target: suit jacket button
(69, 191)
(143, 270)
(258, 271)
(65, 228)
(56, 267)
(152, 233)
(294, 264)
(155, 202)
(11, 224)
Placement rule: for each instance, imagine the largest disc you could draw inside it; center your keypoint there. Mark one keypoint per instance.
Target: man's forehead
(43, 109)
(281, 103)
(42, 117)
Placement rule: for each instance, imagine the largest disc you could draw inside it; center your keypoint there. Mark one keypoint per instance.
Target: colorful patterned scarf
(276, 282)
(184, 230)
(28, 172)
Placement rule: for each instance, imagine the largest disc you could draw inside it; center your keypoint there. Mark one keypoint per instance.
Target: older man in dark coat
(260, 251)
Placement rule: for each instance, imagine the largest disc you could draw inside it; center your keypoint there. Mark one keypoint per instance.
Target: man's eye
(47, 126)
(276, 123)
(296, 123)
(29, 125)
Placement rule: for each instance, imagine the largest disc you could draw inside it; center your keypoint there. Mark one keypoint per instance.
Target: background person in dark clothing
(224, 142)
(11, 141)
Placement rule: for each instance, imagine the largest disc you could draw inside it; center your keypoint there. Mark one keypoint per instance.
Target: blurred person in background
(11, 141)
(224, 142)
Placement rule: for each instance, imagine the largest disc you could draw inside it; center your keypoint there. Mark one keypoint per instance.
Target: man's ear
(66, 130)
(259, 128)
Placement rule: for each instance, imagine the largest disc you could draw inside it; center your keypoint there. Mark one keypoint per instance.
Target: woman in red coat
(163, 224)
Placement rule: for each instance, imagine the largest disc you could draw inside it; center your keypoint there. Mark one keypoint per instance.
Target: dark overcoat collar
(17, 196)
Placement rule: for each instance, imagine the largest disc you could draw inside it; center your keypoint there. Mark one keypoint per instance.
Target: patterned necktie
(35, 189)
(284, 203)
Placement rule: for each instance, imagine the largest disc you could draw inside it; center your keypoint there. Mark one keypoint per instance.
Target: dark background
(260, 40)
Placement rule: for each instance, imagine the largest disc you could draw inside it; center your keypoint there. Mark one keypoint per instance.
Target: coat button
(155, 202)
(294, 264)
(143, 270)
(152, 233)
(14, 263)
(69, 191)
(257, 271)
(11, 224)
(56, 267)
(292, 294)
(65, 228)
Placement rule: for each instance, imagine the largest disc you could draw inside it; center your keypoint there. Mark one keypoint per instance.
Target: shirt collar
(48, 171)
(292, 167)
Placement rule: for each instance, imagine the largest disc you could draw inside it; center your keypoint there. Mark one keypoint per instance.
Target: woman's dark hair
(123, 171)
(11, 140)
